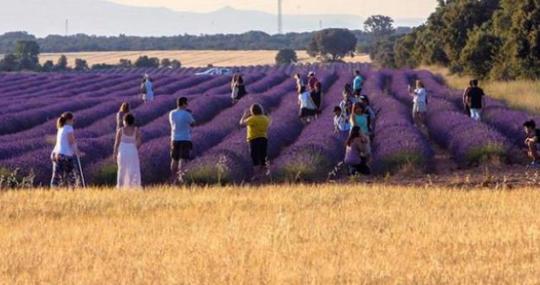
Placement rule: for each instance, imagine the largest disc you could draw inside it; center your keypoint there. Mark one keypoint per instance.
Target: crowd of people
(353, 123)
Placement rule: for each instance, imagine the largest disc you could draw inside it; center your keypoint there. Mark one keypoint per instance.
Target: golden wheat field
(190, 58)
(304, 234)
(520, 94)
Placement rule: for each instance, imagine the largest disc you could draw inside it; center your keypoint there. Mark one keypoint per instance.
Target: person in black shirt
(474, 98)
(532, 142)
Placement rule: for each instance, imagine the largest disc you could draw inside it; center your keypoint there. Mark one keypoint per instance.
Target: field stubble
(321, 234)
(190, 58)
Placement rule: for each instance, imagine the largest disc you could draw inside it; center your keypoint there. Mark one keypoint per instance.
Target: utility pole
(67, 27)
(280, 17)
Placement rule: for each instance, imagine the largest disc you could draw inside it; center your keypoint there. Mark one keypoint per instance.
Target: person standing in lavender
(126, 154)
(181, 121)
(257, 124)
(475, 100)
(64, 153)
(358, 82)
(147, 88)
(420, 100)
(124, 110)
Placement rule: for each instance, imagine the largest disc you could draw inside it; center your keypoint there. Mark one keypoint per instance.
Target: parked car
(216, 71)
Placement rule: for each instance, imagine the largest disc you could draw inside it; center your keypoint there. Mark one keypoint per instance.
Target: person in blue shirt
(358, 82)
(181, 121)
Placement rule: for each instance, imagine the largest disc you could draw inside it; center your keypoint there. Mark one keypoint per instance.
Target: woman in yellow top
(257, 124)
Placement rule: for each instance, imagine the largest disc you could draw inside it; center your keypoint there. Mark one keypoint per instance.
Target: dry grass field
(326, 234)
(521, 94)
(191, 58)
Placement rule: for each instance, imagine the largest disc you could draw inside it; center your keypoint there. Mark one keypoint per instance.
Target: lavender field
(310, 153)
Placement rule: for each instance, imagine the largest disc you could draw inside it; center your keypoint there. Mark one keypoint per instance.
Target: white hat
(311, 73)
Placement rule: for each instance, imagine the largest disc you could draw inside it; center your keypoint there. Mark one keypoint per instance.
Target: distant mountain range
(96, 17)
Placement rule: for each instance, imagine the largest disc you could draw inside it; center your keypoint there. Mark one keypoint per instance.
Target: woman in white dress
(126, 153)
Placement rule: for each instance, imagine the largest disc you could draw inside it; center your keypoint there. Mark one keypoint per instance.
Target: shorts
(305, 112)
(181, 150)
(258, 148)
(419, 108)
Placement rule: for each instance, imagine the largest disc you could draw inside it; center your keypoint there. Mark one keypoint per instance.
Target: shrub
(286, 56)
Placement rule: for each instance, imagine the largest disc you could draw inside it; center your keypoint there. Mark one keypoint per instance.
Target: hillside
(106, 18)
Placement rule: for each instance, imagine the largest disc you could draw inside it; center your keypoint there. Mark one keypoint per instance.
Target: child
(342, 126)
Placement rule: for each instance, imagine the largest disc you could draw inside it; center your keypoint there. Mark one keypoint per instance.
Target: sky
(392, 8)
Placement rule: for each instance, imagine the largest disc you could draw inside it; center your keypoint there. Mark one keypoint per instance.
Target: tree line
(22, 49)
(25, 57)
(495, 39)
(247, 41)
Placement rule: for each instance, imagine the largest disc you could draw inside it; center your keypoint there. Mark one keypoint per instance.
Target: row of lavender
(507, 121)
(468, 141)
(96, 132)
(397, 142)
(297, 152)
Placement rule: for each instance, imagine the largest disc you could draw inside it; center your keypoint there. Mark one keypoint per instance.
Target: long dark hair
(355, 133)
(129, 119)
(61, 122)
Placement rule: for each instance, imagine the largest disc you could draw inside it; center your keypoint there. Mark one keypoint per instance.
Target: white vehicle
(216, 71)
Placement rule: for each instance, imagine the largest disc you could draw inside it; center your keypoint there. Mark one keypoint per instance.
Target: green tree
(477, 57)
(383, 52)
(404, 51)
(145, 61)
(27, 55)
(165, 62)
(518, 24)
(332, 44)
(81, 64)
(175, 63)
(9, 63)
(61, 64)
(379, 26)
(125, 63)
(286, 56)
(48, 66)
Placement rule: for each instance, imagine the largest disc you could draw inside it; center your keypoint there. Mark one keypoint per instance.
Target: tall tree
(61, 64)
(286, 56)
(380, 26)
(9, 63)
(27, 55)
(332, 44)
(81, 64)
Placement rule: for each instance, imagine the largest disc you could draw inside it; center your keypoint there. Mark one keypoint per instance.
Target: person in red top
(312, 81)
